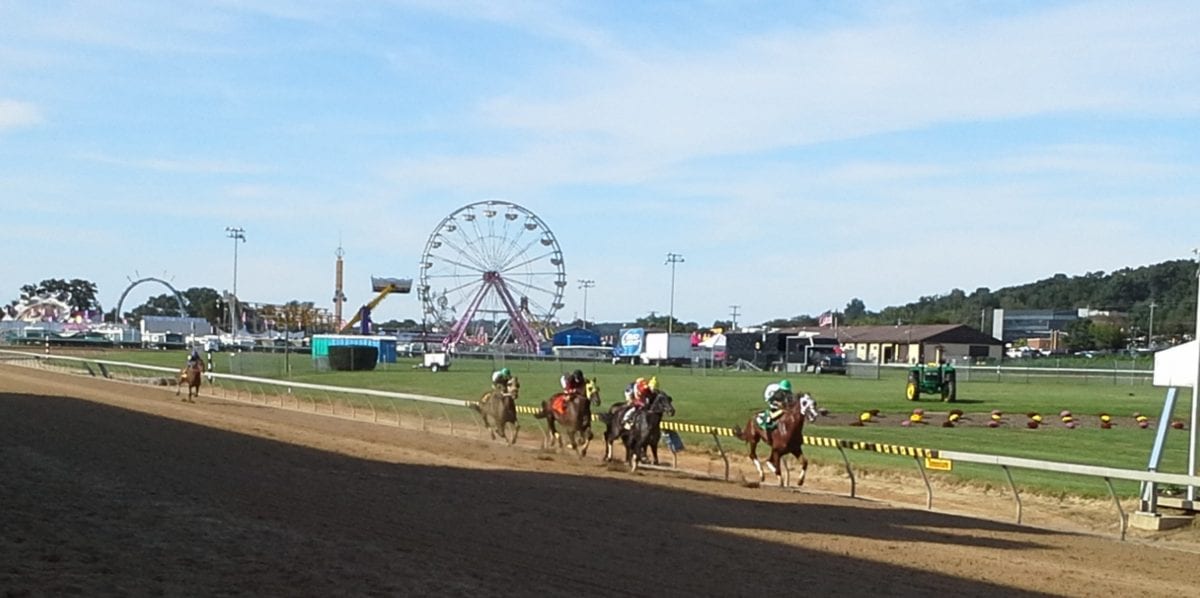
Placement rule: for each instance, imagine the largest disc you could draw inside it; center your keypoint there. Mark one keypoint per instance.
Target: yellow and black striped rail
(697, 428)
(821, 441)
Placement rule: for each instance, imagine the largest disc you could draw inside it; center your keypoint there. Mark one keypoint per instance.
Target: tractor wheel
(950, 389)
(912, 391)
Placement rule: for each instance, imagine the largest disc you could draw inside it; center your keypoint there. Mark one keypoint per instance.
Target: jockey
(572, 383)
(573, 386)
(194, 358)
(776, 394)
(500, 380)
(637, 396)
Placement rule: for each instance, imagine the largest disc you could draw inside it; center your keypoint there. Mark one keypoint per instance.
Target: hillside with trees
(1170, 286)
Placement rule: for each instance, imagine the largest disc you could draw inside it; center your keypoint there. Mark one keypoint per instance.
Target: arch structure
(178, 296)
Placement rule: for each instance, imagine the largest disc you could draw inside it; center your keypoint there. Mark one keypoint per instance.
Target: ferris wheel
(492, 273)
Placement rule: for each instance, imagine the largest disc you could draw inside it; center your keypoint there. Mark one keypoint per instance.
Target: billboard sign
(630, 344)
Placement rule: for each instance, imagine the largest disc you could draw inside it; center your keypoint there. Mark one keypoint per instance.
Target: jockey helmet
(653, 384)
(785, 385)
(504, 372)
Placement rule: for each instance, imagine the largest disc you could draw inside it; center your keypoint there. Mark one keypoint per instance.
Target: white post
(1191, 493)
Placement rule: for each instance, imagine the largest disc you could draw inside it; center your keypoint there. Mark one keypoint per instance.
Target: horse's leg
(608, 444)
(803, 468)
(487, 422)
(586, 434)
(514, 426)
(773, 463)
(754, 457)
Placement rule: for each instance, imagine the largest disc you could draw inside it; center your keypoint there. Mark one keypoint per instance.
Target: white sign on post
(1176, 366)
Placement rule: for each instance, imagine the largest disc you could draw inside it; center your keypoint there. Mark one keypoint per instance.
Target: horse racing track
(116, 489)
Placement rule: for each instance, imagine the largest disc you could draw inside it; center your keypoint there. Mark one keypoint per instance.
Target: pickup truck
(826, 362)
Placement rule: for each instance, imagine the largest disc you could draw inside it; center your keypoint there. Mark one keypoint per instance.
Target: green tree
(78, 293)
(1079, 335)
(661, 323)
(855, 311)
(1106, 335)
(203, 302)
(159, 305)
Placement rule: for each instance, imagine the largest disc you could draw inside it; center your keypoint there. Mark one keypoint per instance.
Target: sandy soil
(115, 489)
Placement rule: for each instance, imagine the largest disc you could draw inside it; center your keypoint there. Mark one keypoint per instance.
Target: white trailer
(662, 348)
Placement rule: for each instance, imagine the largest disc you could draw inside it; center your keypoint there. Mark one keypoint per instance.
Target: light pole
(1150, 334)
(234, 233)
(733, 311)
(585, 284)
(672, 258)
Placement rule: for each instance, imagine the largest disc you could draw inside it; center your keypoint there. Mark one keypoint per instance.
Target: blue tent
(576, 337)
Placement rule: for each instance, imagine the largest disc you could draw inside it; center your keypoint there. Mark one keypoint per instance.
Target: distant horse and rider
(572, 410)
(498, 408)
(784, 435)
(637, 430)
(191, 376)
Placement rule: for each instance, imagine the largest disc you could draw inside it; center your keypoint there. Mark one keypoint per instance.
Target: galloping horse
(785, 439)
(575, 417)
(499, 410)
(645, 431)
(191, 376)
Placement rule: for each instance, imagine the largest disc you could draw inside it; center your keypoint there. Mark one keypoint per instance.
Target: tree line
(1129, 293)
(1170, 287)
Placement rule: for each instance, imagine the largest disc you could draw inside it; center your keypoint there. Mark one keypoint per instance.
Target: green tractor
(932, 378)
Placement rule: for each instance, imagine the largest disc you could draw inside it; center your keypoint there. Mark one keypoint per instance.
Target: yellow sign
(938, 464)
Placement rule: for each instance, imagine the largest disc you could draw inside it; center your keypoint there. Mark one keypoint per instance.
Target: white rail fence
(391, 402)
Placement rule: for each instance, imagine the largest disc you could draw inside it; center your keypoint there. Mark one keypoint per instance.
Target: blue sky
(796, 154)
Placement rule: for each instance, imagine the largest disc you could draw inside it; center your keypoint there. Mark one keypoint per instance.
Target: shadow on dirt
(106, 500)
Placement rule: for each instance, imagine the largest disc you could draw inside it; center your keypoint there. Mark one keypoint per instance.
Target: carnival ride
(492, 261)
(383, 286)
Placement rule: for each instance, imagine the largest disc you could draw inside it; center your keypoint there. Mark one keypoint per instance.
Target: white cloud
(792, 87)
(176, 165)
(14, 114)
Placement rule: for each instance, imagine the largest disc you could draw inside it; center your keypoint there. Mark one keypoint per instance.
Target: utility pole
(585, 285)
(733, 311)
(234, 233)
(1150, 334)
(672, 258)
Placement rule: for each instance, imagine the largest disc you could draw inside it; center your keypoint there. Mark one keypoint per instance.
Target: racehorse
(499, 410)
(191, 376)
(785, 439)
(575, 417)
(645, 431)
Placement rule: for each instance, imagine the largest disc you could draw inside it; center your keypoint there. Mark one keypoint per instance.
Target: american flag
(825, 319)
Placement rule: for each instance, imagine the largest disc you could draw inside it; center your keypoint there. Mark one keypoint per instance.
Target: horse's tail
(475, 406)
(544, 413)
(606, 417)
(746, 434)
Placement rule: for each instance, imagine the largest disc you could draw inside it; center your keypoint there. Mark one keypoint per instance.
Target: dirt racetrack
(114, 489)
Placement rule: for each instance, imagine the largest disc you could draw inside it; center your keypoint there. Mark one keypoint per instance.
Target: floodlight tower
(672, 259)
(234, 233)
(586, 284)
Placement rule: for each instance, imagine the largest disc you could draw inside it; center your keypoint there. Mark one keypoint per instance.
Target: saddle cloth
(768, 418)
(559, 403)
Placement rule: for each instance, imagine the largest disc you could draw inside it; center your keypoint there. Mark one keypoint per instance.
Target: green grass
(725, 398)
